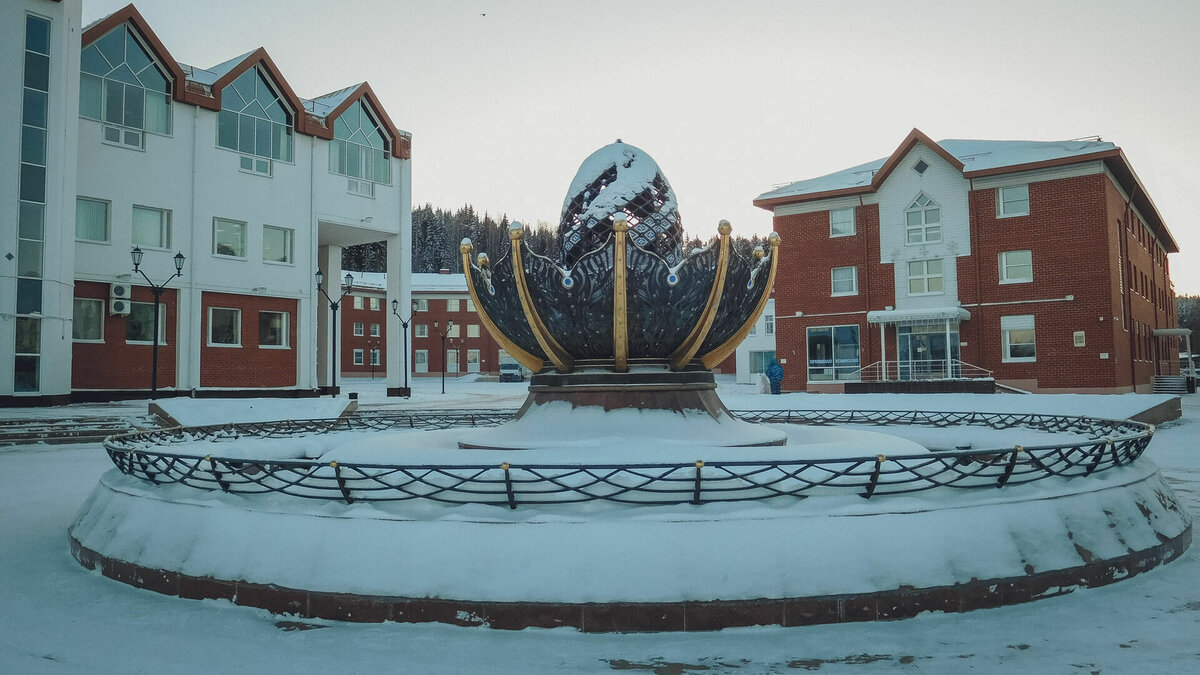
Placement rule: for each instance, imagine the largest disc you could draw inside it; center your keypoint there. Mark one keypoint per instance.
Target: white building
(256, 187)
(755, 353)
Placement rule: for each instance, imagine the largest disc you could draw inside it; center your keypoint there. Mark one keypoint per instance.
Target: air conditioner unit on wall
(118, 307)
(119, 291)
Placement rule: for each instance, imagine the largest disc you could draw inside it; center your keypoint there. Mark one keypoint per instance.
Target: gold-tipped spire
(620, 308)
(562, 361)
(726, 348)
(684, 353)
(533, 363)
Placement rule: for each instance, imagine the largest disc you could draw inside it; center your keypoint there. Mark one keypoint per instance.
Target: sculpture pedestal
(652, 406)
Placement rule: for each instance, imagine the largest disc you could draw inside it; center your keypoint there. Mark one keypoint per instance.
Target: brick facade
(247, 365)
(464, 319)
(366, 316)
(1100, 281)
(116, 363)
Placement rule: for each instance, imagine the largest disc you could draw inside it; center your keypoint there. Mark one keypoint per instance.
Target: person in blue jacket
(775, 375)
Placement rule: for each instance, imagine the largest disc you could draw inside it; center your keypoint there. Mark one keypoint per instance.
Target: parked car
(512, 372)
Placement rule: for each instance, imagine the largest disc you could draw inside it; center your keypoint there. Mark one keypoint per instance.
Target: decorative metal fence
(1106, 444)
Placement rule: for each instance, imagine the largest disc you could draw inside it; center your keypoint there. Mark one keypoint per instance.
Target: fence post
(212, 468)
(1113, 449)
(337, 474)
(696, 489)
(512, 498)
(1008, 469)
(874, 481)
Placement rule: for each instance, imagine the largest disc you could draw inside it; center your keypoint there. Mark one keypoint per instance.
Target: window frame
(289, 245)
(924, 227)
(453, 305)
(453, 331)
(162, 324)
(375, 356)
(216, 244)
(421, 330)
(1001, 212)
(107, 219)
(853, 226)
(238, 332)
(99, 320)
(420, 360)
(286, 131)
(472, 330)
(926, 276)
(833, 360)
(358, 357)
(422, 304)
(1004, 265)
(102, 93)
(164, 228)
(284, 330)
(374, 304)
(358, 329)
(357, 301)
(1017, 323)
(833, 281)
(373, 330)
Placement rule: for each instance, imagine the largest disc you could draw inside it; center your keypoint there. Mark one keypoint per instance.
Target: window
(358, 303)
(924, 277)
(224, 327)
(421, 361)
(277, 244)
(472, 360)
(420, 330)
(360, 149)
(88, 320)
(833, 353)
(452, 331)
(358, 357)
(451, 360)
(272, 329)
(138, 325)
(921, 167)
(923, 220)
(470, 305)
(358, 328)
(229, 238)
(121, 85)
(31, 209)
(374, 357)
(770, 324)
(254, 121)
(91, 219)
(472, 330)
(151, 227)
(452, 305)
(845, 280)
(1012, 201)
(421, 305)
(1017, 336)
(375, 304)
(374, 330)
(841, 222)
(1016, 267)
(760, 360)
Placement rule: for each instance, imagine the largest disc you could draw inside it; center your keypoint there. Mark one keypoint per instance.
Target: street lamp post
(157, 290)
(404, 391)
(372, 348)
(333, 306)
(443, 334)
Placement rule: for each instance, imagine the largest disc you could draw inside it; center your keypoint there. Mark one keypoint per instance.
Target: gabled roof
(976, 159)
(202, 86)
(129, 14)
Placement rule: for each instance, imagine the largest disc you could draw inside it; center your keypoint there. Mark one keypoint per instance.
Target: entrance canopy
(919, 317)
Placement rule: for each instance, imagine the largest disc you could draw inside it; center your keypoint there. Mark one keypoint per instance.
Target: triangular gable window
(360, 148)
(121, 84)
(254, 118)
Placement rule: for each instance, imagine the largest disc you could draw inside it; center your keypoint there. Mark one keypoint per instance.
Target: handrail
(1108, 444)
(934, 369)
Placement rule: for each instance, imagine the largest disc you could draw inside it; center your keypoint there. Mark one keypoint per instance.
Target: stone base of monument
(606, 567)
(668, 408)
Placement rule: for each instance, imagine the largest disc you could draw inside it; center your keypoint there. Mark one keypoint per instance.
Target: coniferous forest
(437, 232)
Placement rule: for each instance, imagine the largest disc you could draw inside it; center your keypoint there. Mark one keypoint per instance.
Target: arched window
(254, 120)
(360, 148)
(122, 85)
(923, 220)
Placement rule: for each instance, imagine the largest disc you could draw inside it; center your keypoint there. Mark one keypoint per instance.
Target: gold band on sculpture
(683, 355)
(533, 363)
(620, 309)
(719, 354)
(557, 355)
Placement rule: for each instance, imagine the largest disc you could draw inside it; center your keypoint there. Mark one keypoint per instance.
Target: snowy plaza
(62, 618)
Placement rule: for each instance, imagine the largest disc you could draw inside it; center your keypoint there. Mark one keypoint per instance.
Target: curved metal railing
(1105, 444)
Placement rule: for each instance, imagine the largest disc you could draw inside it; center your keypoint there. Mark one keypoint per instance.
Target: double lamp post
(404, 391)
(333, 307)
(157, 290)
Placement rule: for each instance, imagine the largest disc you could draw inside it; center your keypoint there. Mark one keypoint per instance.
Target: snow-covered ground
(57, 617)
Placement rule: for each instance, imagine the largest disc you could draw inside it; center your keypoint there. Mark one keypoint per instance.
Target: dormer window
(360, 150)
(254, 121)
(923, 221)
(121, 85)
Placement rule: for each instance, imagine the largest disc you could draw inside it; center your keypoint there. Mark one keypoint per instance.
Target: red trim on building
(130, 14)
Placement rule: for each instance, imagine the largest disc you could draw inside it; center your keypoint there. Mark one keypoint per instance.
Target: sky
(732, 98)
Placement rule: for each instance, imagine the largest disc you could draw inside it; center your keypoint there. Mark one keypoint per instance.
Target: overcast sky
(505, 99)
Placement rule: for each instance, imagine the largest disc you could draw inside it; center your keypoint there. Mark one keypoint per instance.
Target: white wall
(759, 341)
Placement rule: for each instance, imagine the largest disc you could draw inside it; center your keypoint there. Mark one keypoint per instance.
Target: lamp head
(395, 306)
(136, 254)
(179, 259)
(320, 278)
(349, 280)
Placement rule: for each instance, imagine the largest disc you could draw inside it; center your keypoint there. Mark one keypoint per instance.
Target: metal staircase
(1170, 384)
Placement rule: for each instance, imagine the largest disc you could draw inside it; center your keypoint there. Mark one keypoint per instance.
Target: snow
(58, 617)
(976, 155)
(635, 171)
(199, 412)
(426, 282)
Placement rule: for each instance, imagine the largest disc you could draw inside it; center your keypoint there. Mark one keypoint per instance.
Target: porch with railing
(921, 370)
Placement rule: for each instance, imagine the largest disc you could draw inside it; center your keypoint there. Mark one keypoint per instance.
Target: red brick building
(1041, 264)
(364, 323)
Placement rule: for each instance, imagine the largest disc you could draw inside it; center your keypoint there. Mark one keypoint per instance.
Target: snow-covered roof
(220, 69)
(442, 283)
(325, 103)
(975, 155)
(370, 280)
(916, 317)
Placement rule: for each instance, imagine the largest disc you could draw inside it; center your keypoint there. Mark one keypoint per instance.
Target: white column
(329, 260)
(948, 371)
(883, 349)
